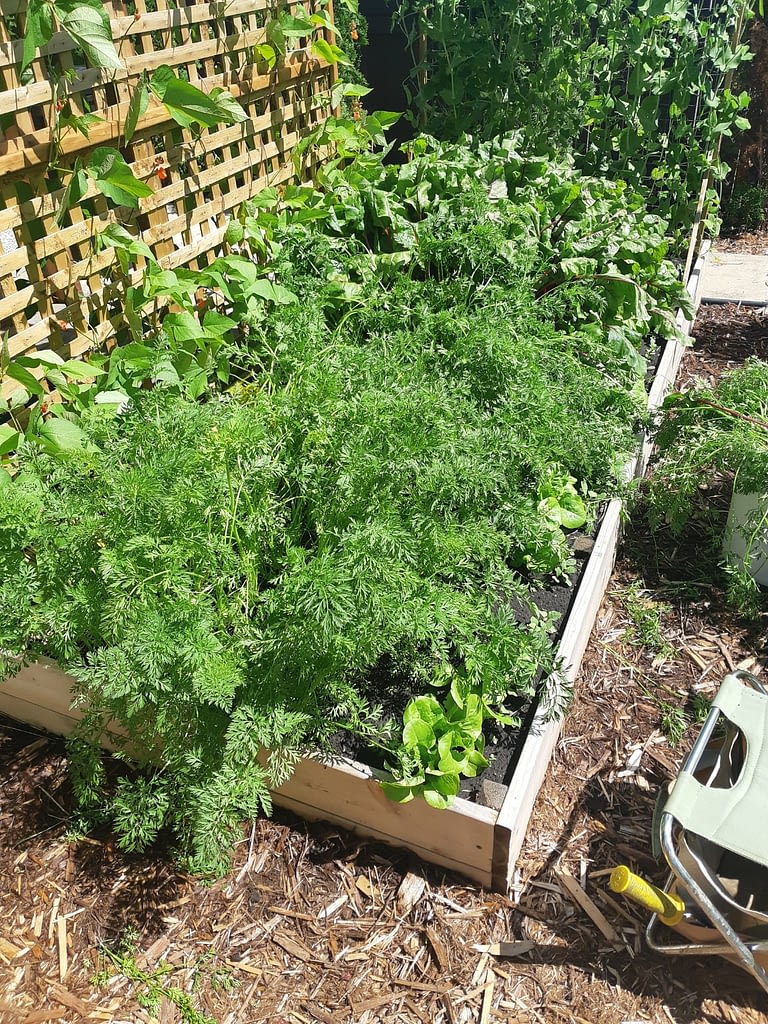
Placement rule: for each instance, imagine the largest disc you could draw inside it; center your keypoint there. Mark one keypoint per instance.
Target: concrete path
(735, 277)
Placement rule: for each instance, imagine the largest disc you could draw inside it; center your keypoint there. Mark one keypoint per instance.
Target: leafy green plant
(440, 743)
(347, 136)
(708, 431)
(638, 91)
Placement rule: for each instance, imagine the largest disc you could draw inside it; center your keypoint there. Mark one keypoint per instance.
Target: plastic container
(746, 534)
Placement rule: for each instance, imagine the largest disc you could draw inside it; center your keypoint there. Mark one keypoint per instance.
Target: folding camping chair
(713, 832)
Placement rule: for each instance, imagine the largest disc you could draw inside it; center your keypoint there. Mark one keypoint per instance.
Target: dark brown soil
(724, 336)
(313, 924)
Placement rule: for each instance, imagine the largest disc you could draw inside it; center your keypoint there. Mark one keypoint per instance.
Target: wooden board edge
(481, 872)
(35, 715)
(514, 816)
(669, 364)
(460, 838)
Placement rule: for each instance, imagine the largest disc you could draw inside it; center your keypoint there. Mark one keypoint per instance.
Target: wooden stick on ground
(590, 908)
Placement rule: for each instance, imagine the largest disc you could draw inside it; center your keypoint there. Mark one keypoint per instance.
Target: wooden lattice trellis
(55, 291)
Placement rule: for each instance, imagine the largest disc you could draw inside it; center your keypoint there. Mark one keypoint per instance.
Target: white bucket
(747, 531)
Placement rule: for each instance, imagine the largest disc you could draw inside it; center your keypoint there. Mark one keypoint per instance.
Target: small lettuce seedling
(560, 507)
(440, 743)
(559, 500)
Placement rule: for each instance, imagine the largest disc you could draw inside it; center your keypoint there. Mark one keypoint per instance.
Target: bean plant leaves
(61, 435)
(124, 244)
(216, 324)
(115, 179)
(323, 20)
(330, 52)
(78, 369)
(64, 7)
(27, 380)
(81, 123)
(117, 398)
(137, 107)
(275, 36)
(86, 26)
(188, 105)
(348, 89)
(266, 53)
(272, 292)
(9, 440)
(294, 27)
(386, 118)
(76, 190)
(38, 31)
(183, 327)
(227, 104)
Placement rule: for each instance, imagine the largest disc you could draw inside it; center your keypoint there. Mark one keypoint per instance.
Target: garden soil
(316, 925)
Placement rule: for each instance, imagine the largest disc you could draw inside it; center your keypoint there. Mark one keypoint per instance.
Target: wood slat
(29, 151)
(459, 838)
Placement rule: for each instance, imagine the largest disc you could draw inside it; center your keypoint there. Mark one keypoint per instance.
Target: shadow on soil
(682, 983)
(122, 894)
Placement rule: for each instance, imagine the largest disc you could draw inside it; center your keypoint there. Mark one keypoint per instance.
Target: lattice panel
(54, 289)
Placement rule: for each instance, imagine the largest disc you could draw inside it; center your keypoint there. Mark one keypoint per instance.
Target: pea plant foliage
(330, 488)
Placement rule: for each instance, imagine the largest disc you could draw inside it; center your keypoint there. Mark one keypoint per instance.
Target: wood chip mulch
(315, 925)
(754, 242)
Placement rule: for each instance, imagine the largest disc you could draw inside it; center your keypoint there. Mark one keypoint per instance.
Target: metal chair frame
(734, 946)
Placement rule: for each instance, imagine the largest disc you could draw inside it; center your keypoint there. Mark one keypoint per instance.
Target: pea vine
(637, 91)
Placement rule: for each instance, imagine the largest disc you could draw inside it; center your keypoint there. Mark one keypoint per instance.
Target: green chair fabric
(734, 818)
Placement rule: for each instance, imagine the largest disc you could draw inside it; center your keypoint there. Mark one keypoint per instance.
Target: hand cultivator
(713, 831)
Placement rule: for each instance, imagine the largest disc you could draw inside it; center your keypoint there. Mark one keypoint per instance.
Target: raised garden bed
(409, 456)
(479, 842)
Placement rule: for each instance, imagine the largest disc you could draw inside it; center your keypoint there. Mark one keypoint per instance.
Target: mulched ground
(755, 242)
(314, 925)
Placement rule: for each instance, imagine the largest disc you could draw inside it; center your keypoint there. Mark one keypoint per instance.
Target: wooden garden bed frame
(478, 842)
